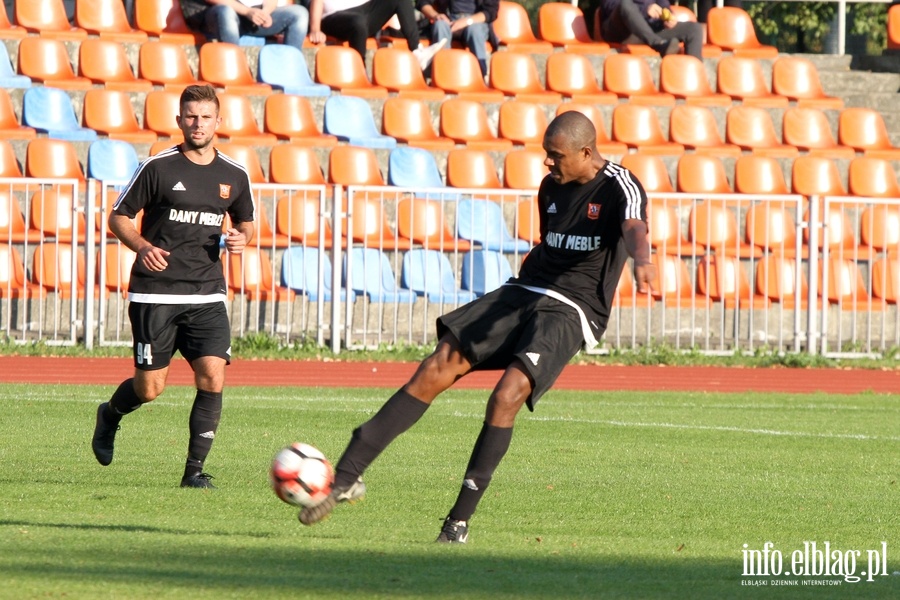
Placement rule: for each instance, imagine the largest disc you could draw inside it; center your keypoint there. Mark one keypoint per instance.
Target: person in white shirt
(228, 20)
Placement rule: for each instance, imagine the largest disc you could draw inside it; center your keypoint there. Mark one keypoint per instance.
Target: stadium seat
(54, 159)
(772, 228)
(166, 64)
(755, 174)
(731, 29)
(465, 122)
(885, 279)
(456, 71)
(816, 176)
(524, 169)
(528, 225)
(284, 67)
(354, 165)
(776, 279)
(629, 77)
(714, 226)
(638, 127)
(370, 273)
(291, 117)
(484, 271)
(808, 129)
(873, 178)
(161, 108)
(666, 231)
(797, 79)
(743, 79)
(513, 30)
(605, 146)
(371, 227)
(482, 223)
(893, 28)
(294, 163)
(238, 122)
(674, 285)
(650, 170)
(9, 31)
(13, 282)
(8, 77)
(10, 127)
(722, 279)
(47, 18)
(250, 273)
(342, 69)
(9, 164)
(564, 26)
(417, 168)
(225, 65)
(429, 273)
(845, 285)
(424, 222)
(516, 75)
(108, 19)
(684, 76)
(265, 236)
(47, 60)
(350, 119)
(880, 228)
(111, 160)
(301, 272)
(51, 214)
(246, 156)
(751, 128)
(864, 130)
(398, 71)
(116, 267)
(104, 62)
(683, 14)
(110, 112)
(297, 219)
(696, 129)
(572, 75)
(409, 121)
(13, 229)
(163, 19)
(473, 169)
(523, 123)
(701, 174)
(50, 111)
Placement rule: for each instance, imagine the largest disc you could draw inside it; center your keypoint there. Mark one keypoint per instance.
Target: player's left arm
(637, 243)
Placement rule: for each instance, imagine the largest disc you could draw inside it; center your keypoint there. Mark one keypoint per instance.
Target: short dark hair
(199, 93)
(577, 128)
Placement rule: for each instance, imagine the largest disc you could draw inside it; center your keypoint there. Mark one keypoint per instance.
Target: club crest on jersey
(224, 191)
(593, 211)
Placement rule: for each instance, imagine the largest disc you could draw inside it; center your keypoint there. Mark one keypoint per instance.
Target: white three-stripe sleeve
(629, 187)
(137, 173)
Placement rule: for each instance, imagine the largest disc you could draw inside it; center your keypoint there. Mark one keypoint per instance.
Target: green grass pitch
(625, 495)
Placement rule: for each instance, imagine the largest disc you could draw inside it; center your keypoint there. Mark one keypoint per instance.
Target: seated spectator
(228, 20)
(703, 7)
(649, 22)
(355, 21)
(466, 20)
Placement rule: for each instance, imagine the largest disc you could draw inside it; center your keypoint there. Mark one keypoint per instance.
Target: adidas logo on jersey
(179, 187)
(551, 210)
(534, 357)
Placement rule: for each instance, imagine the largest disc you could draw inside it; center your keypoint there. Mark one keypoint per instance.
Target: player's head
(571, 146)
(199, 115)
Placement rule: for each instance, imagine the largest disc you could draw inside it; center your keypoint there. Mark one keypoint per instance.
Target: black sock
(204, 421)
(398, 414)
(122, 402)
(490, 447)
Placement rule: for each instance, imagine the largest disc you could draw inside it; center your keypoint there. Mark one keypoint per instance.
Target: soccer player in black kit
(593, 216)
(177, 289)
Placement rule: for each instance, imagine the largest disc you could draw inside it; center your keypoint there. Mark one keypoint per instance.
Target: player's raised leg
(145, 386)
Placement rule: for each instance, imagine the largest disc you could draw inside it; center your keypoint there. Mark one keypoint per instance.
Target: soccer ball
(301, 475)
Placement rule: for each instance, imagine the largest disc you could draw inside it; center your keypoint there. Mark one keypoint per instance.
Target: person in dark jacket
(649, 22)
(466, 20)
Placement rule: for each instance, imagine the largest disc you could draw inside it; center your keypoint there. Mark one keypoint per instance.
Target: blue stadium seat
(484, 271)
(482, 222)
(372, 275)
(416, 168)
(50, 110)
(111, 160)
(350, 119)
(429, 273)
(300, 272)
(285, 67)
(8, 76)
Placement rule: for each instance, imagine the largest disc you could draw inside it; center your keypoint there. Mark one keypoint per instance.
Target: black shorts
(195, 330)
(514, 323)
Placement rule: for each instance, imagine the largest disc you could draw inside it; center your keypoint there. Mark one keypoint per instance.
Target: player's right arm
(153, 258)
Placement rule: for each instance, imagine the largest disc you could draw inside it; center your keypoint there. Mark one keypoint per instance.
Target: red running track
(111, 371)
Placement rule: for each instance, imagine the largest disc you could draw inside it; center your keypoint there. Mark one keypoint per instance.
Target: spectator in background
(357, 20)
(703, 7)
(649, 22)
(228, 20)
(466, 20)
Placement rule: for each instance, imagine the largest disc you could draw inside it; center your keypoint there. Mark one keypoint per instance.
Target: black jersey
(184, 207)
(582, 250)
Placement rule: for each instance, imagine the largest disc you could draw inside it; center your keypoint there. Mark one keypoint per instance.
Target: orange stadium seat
(47, 60)
(864, 130)
(838, 234)
(604, 145)
(225, 65)
(809, 130)
(107, 18)
(629, 77)
(166, 64)
(456, 71)
(52, 269)
(105, 62)
(528, 226)
(873, 178)
(160, 111)
(291, 117)
(701, 174)
(771, 228)
(798, 80)
(409, 120)
(776, 279)
(51, 214)
(885, 280)
(238, 122)
(524, 169)
(846, 287)
(354, 165)
(722, 279)
(398, 70)
(466, 122)
(516, 75)
(513, 30)
(880, 228)
(118, 260)
(371, 226)
(684, 76)
(893, 28)
(247, 157)
(743, 79)
(751, 128)
(564, 25)
(650, 170)
(572, 75)
(731, 29)
(816, 176)
(674, 285)
(10, 125)
(13, 282)
(424, 222)
(53, 159)
(297, 218)
(665, 229)
(696, 129)
(9, 31)
(110, 112)
(522, 122)
(9, 164)
(472, 169)
(638, 126)
(342, 69)
(250, 273)
(293, 163)
(754, 174)
(13, 229)
(163, 19)
(714, 226)
(47, 18)
(683, 14)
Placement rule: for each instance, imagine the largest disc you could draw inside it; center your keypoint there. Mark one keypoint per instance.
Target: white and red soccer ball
(301, 475)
